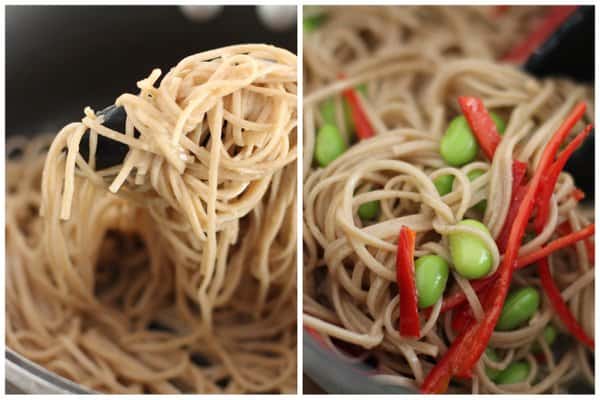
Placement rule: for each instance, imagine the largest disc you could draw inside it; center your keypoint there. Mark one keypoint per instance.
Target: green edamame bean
(519, 307)
(549, 334)
(431, 275)
(327, 110)
(443, 184)
(369, 210)
(362, 88)
(458, 145)
(470, 256)
(492, 373)
(476, 173)
(516, 372)
(311, 23)
(329, 145)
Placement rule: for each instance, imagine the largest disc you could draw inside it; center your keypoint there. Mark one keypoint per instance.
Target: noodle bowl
(413, 74)
(173, 271)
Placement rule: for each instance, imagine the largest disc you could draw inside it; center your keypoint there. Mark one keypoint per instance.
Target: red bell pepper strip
(408, 324)
(578, 194)
(559, 305)
(462, 317)
(553, 19)
(555, 245)
(481, 123)
(519, 169)
(364, 130)
(551, 178)
(459, 297)
(550, 288)
(565, 229)
(468, 347)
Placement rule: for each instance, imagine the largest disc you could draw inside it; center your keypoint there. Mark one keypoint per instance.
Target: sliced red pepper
(553, 19)
(559, 305)
(481, 123)
(459, 297)
(551, 178)
(555, 245)
(519, 169)
(364, 130)
(408, 324)
(548, 284)
(461, 318)
(565, 229)
(468, 347)
(578, 194)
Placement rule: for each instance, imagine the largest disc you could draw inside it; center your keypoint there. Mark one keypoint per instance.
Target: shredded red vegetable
(551, 178)
(559, 305)
(565, 229)
(468, 347)
(552, 291)
(519, 169)
(408, 324)
(481, 123)
(578, 194)
(363, 127)
(560, 243)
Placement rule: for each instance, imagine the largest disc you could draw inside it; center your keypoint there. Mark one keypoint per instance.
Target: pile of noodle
(415, 62)
(175, 270)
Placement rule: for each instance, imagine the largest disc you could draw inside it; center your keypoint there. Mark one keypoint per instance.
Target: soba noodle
(415, 62)
(175, 270)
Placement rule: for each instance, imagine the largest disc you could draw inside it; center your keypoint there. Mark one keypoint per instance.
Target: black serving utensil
(108, 152)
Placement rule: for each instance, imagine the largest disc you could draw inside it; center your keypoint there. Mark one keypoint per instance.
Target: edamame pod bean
(443, 184)
(328, 111)
(458, 145)
(362, 88)
(492, 373)
(329, 145)
(476, 173)
(470, 255)
(519, 307)
(549, 334)
(516, 372)
(368, 211)
(431, 275)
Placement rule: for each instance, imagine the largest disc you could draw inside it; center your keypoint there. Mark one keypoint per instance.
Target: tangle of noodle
(415, 62)
(183, 278)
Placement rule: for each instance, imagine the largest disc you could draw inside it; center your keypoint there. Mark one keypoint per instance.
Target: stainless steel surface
(336, 376)
(24, 376)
